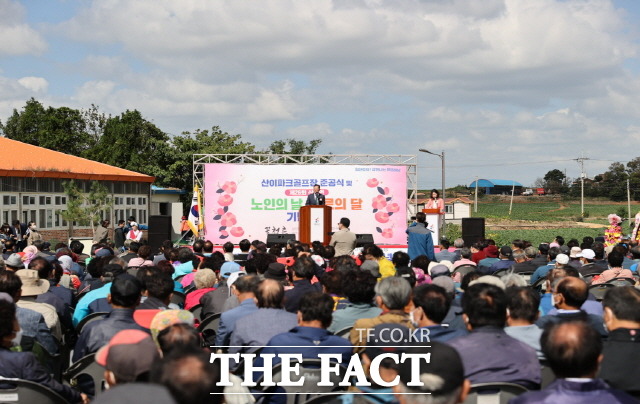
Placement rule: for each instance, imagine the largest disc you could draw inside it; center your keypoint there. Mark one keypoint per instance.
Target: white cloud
(18, 38)
(35, 84)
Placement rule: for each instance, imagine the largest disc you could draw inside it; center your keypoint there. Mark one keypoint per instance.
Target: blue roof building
(497, 187)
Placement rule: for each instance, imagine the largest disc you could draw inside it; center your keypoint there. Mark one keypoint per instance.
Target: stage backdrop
(251, 200)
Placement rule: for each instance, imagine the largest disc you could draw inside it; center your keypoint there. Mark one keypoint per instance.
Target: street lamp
(443, 187)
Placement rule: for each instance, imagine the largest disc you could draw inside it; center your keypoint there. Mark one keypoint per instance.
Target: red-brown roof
(25, 160)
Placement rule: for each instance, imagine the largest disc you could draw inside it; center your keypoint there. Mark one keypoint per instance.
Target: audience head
(177, 337)
(204, 278)
(622, 307)
(128, 357)
(304, 268)
(522, 303)
(125, 292)
(393, 293)
(359, 286)
(572, 349)
(270, 294)
(316, 310)
(431, 302)
(189, 376)
(570, 293)
(484, 305)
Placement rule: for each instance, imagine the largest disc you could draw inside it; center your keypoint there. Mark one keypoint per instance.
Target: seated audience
(573, 351)
(24, 365)
(245, 290)
(205, 280)
(303, 272)
(359, 289)
(621, 364)
(522, 306)
(501, 358)
(432, 304)
(615, 270)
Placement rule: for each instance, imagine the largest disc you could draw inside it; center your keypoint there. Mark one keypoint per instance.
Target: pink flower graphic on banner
(230, 187)
(393, 207)
(225, 200)
(221, 211)
(379, 202)
(387, 233)
(237, 231)
(372, 182)
(224, 234)
(228, 219)
(382, 217)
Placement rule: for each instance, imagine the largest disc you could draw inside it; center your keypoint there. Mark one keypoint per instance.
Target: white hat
(575, 252)
(562, 259)
(587, 253)
(32, 285)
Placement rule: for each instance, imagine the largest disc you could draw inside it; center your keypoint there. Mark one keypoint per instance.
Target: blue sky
(510, 89)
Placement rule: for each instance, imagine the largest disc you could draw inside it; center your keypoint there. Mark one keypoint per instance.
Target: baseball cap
(506, 251)
(228, 268)
(129, 354)
(371, 266)
(586, 253)
(489, 279)
(441, 375)
(440, 270)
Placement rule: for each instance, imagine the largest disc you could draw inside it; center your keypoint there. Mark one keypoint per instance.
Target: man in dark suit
(316, 198)
(19, 230)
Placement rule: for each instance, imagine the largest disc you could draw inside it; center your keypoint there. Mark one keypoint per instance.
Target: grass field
(547, 211)
(542, 212)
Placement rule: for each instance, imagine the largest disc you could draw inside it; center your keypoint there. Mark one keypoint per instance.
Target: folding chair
(310, 369)
(209, 328)
(99, 315)
(86, 366)
(493, 393)
(178, 298)
(27, 392)
(599, 290)
(621, 282)
(197, 311)
(344, 333)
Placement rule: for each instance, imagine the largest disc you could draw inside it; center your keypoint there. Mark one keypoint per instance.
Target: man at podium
(316, 198)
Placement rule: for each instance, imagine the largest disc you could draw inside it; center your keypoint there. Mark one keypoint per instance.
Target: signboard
(252, 200)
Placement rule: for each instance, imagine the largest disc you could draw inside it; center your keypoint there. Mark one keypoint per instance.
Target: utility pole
(581, 160)
(475, 204)
(513, 190)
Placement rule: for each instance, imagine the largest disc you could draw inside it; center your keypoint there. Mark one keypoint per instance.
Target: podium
(315, 223)
(433, 223)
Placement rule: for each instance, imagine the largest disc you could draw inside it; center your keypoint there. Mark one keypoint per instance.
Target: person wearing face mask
(34, 234)
(24, 365)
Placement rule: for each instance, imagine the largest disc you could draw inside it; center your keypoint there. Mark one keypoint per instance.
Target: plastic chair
(178, 298)
(197, 311)
(344, 333)
(589, 277)
(599, 290)
(493, 393)
(310, 369)
(89, 319)
(621, 282)
(28, 392)
(547, 374)
(99, 315)
(53, 363)
(209, 328)
(189, 289)
(86, 366)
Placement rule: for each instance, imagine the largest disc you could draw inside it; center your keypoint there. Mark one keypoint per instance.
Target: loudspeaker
(363, 239)
(472, 230)
(159, 231)
(281, 239)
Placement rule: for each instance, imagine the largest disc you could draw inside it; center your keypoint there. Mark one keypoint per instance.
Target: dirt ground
(497, 224)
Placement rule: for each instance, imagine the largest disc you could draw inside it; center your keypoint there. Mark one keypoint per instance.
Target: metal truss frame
(410, 161)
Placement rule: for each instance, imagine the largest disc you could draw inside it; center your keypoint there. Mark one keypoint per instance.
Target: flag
(200, 217)
(194, 213)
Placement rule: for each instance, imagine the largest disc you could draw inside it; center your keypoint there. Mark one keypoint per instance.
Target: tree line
(611, 184)
(130, 141)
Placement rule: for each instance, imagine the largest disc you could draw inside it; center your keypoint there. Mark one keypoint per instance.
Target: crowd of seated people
(489, 314)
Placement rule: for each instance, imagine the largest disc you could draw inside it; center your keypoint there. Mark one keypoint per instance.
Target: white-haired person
(204, 280)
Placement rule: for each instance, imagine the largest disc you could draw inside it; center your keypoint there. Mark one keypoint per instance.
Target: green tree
(293, 146)
(556, 182)
(85, 209)
(214, 141)
(62, 129)
(131, 142)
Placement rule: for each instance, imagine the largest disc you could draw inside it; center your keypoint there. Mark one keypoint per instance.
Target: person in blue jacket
(420, 238)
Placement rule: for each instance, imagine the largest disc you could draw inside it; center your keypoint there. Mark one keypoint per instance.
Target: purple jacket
(569, 392)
